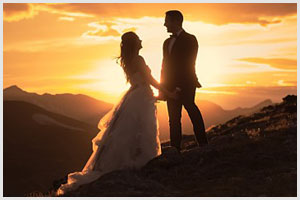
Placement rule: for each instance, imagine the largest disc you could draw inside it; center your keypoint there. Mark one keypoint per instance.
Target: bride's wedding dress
(128, 136)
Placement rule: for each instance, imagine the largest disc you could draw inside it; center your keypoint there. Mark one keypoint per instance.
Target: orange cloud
(109, 32)
(253, 90)
(18, 11)
(102, 29)
(66, 19)
(214, 13)
(242, 41)
(279, 63)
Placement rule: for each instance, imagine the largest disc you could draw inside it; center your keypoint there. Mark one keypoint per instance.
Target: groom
(178, 72)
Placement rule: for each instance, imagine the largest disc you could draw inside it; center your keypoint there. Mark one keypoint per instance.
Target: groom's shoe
(202, 140)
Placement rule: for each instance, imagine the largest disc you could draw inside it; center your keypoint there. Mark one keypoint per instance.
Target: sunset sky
(247, 52)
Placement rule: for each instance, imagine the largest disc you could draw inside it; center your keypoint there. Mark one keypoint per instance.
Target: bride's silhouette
(129, 132)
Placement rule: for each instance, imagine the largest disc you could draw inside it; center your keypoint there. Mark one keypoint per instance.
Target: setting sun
(75, 51)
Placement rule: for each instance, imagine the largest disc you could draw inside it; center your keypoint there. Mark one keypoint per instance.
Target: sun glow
(70, 48)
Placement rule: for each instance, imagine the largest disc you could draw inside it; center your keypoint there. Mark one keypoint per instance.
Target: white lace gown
(129, 136)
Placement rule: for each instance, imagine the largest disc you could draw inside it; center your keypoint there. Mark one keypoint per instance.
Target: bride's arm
(151, 80)
(156, 84)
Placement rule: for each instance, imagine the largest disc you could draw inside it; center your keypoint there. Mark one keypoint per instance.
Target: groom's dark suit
(178, 70)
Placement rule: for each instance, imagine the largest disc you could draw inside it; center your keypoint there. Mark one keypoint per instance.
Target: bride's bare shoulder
(139, 60)
(142, 66)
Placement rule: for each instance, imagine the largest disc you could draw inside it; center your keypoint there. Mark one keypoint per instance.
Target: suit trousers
(186, 99)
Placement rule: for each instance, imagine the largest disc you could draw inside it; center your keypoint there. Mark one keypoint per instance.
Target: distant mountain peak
(266, 101)
(263, 103)
(13, 88)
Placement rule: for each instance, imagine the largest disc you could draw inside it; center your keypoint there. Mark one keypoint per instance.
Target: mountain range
(212, 114)
(90, 110)
(76, 106)
(47, 136)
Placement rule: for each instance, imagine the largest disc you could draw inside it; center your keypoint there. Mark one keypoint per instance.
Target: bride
(129, 132)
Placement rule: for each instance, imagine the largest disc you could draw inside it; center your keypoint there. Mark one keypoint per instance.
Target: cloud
(243, 41)
(104, 29)
(253, 90)
(278, 63)
(286, 83)
(108, 29)
(262, 13)
(18, 11)
(66, 19)
(213, 13)
(50, 7)
(129, 29)
(109, 32)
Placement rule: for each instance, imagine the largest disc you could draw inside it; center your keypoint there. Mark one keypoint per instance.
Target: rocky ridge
(254, 155)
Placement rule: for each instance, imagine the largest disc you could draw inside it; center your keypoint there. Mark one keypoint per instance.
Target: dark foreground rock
(247, 156)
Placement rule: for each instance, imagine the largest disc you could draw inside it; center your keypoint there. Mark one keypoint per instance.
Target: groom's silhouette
(178, 71)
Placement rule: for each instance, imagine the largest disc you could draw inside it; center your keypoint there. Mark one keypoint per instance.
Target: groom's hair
(175, 15)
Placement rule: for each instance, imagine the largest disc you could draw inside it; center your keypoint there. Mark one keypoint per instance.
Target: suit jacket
(178, 66)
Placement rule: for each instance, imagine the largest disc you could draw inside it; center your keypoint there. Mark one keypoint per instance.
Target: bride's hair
(130, 44)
